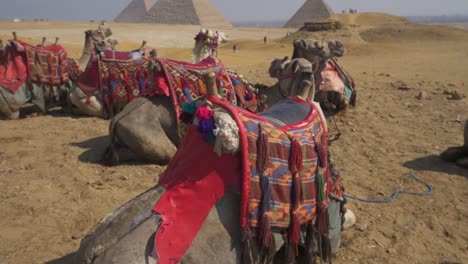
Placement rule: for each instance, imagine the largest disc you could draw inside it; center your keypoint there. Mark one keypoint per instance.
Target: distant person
(265, 40)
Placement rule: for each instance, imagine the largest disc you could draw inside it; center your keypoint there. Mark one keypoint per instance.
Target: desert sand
(54, 190)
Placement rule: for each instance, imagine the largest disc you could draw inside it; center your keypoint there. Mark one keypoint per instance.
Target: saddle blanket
(185, 81)
(47, 65)
(273, 163)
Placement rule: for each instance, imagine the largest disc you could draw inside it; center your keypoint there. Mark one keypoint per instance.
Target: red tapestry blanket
(47, 65)
(186, 80)
(123, 81)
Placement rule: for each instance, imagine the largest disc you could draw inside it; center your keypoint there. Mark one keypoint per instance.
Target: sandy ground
(53, 190)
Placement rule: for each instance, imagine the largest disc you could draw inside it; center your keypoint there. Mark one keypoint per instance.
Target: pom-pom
(248, 97)
(189, 107)
(205, 126)
(203, 113)
(236, 82)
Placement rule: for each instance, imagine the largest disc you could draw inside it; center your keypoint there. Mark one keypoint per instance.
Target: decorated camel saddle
(279, 164)
(118, 79)
(46, 70)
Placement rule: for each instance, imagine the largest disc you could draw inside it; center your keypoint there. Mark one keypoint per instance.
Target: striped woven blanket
(49, 64)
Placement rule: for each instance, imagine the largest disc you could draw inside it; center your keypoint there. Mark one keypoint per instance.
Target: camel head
(336, 48)
(295, 77)
(206, 44)
(315, 50)
(277, 66)
(223, 37)
(98, 35)
(310, 50)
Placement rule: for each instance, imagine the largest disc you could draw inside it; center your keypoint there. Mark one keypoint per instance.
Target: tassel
(326, 249)
(295, 160)
(295, 165)
(249, 251)
(289, 254)
(264, 231)
(320, 184)
(323, 221)
(310, 245)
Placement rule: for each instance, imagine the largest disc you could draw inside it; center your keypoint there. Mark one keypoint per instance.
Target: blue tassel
(236, 82)
(205, 126)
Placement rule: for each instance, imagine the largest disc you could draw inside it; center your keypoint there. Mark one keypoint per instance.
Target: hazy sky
(234, 10)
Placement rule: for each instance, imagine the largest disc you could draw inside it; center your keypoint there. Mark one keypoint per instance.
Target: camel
(46, 96)
(206, 44)
(95, 38)
(128, 234)
(23, 80)
(92, 104)
(459, 155)
(335, 87)
(148, 127)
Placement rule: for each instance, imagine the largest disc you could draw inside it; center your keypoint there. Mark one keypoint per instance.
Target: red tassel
(323, 221)
(265, 231)
(295, 165)
(295, 160)
(294, 230)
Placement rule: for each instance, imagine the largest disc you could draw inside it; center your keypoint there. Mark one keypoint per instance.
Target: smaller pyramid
(312, 10)
(135, 12)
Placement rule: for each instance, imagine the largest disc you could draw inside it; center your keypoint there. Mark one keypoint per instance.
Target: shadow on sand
(95, 148)
(436, 164)
(68, 259)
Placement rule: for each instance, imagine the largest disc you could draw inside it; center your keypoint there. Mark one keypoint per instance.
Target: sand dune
(54, 191)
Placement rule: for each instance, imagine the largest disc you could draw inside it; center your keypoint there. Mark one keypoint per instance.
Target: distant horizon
(235, 11)
(416, 17)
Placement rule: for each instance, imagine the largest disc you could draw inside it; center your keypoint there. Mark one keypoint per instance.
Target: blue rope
(395, 194)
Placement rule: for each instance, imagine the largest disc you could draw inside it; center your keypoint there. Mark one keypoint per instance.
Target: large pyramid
(310, 11)
(135, 12)
(192, 12)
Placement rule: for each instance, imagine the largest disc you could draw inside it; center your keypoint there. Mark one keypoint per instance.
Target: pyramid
(135, 12)
(192, 12)
(310, 11)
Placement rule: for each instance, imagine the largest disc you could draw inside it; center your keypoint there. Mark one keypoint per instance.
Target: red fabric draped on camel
(13, 71)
